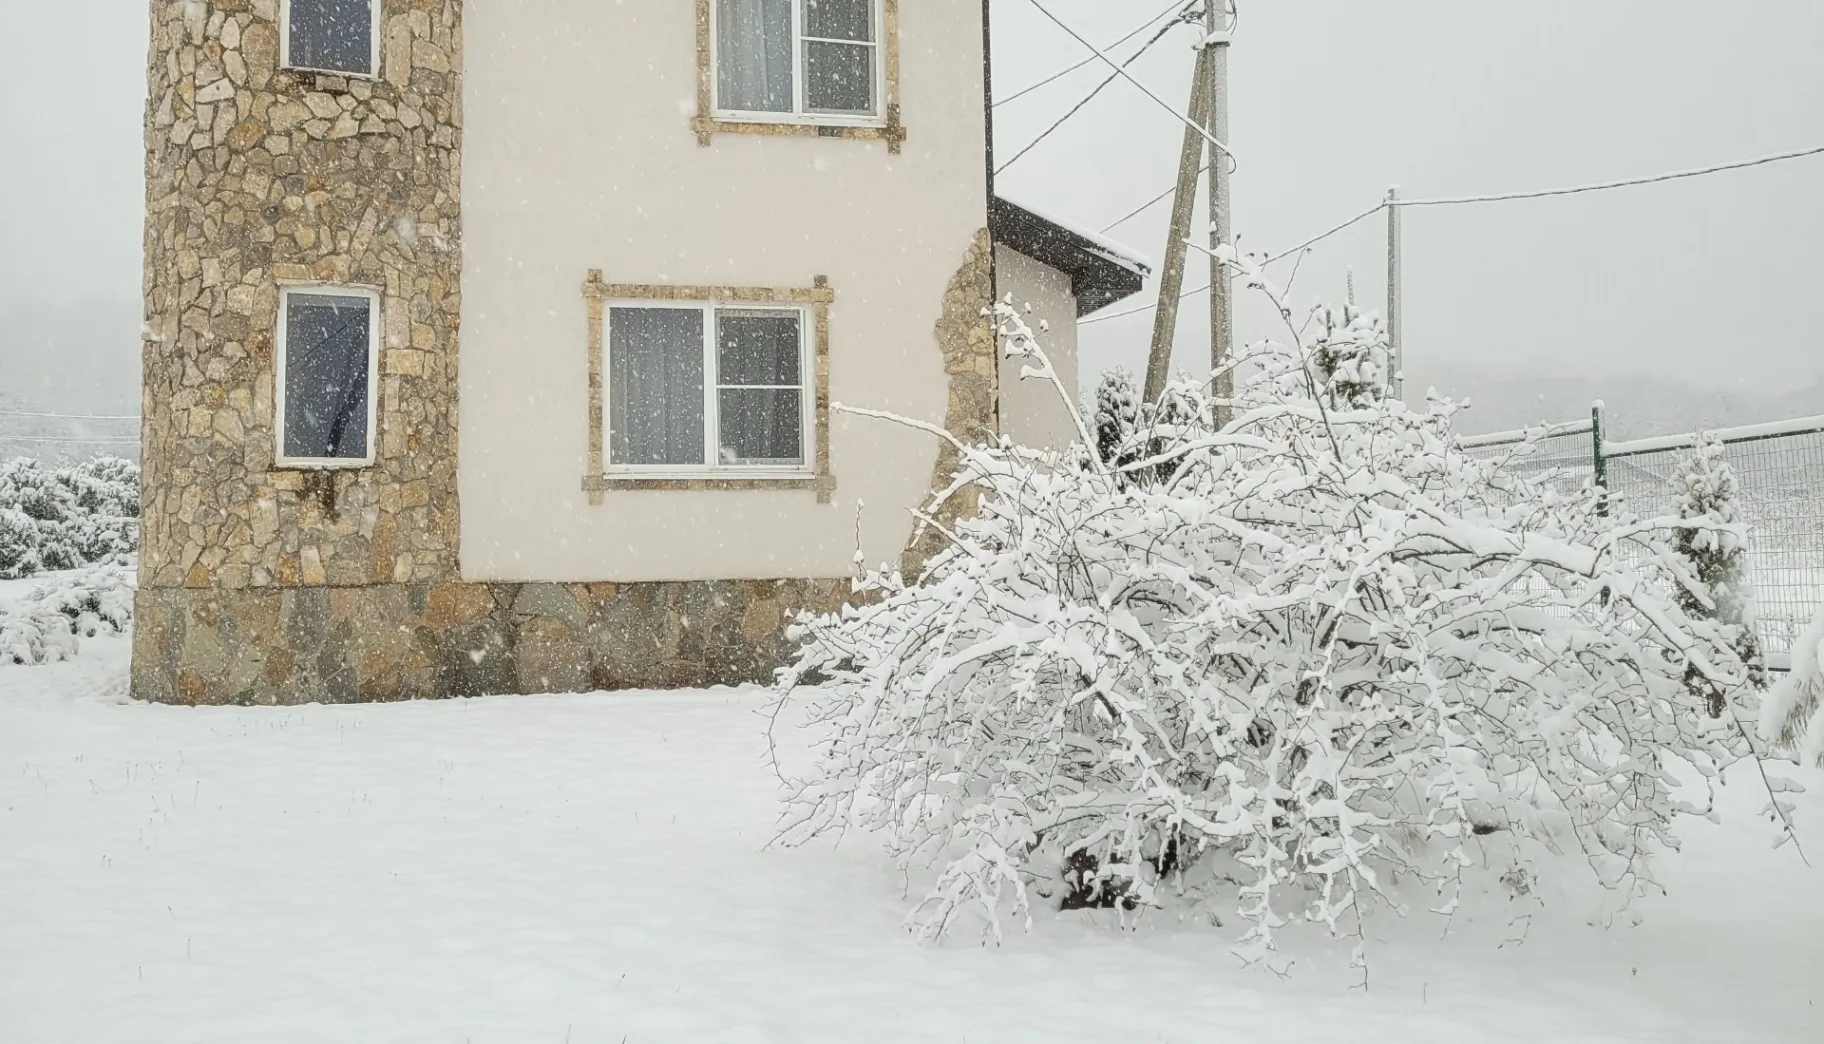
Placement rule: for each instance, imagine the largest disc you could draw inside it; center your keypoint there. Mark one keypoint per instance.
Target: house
(491, 347)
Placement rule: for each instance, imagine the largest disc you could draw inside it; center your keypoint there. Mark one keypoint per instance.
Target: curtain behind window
(655, 386)
(754, 55)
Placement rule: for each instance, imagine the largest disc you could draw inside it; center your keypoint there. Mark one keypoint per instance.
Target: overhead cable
(1176, 5)
(1500, 197)
(84, 442)
(67, 416)
(1078, 107)
(1123, 73)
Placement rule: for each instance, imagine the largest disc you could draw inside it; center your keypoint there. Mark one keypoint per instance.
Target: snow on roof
(1101, 270)
(1120, 253)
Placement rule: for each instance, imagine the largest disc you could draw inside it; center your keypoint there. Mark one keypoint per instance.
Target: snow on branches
(1792, 718)
(1271, 666)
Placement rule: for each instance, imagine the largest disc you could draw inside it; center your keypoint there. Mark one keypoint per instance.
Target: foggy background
(1682, 305)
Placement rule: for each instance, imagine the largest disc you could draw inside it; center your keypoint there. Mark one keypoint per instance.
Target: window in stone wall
(327, 367)
(339, 36)
(694, 388)
(814, 60)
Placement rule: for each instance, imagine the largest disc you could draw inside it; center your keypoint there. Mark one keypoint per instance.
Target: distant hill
(1635, 406)
(79, 358)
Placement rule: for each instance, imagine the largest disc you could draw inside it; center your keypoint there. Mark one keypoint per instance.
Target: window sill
(823, 486)
(291, 78)
(890, 131)
(321, 465)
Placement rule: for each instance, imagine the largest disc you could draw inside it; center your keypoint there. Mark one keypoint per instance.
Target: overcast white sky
(1713, 281)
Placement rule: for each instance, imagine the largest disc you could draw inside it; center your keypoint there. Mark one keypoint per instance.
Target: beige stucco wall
(1031, 410)
(579, 154)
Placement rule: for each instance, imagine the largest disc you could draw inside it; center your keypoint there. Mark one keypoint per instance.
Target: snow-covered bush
(71, 516)
(1314, 654)
(1714, 582)
(19, 544)
(49, 623)
(1793, 717)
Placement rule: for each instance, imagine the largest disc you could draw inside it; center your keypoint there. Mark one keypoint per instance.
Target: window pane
(754, 55)
(754, 347)
(839, 78)
(839, 19)
(655, 386)
(333, 34)
(326, 376)
(762, 426)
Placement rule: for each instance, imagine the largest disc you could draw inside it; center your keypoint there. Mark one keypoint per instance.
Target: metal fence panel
(1779, 471)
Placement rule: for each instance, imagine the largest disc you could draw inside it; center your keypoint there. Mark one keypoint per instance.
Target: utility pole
(1222, 317)
(1171, 276)
(1396, 349)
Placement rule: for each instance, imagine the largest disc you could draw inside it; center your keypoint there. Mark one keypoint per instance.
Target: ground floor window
(700, 387)
(327, 364)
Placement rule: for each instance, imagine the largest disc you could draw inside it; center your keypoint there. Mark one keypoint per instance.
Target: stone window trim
(374, 37)
(816, 299)
(886, 127)
(376, 303)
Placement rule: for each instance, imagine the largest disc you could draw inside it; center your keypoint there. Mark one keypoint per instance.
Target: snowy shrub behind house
(1267, 668)
(52, 519)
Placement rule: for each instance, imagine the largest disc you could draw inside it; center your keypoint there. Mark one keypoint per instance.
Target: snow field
(592, 868)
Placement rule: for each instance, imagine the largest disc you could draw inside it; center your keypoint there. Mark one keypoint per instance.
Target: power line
(1176, 5)
(1604, 186)
(1078, 107)
(67, 416)
(1149, 204)
(1601, 186)
(1123, 73)
(84, 442)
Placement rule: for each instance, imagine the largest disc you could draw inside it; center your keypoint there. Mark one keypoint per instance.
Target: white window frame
(374, 321)
(285, 61)
(712, 466)
(798, 115)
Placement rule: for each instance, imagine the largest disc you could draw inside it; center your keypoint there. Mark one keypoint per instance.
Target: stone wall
(385, 642)
(967, 338)
(258, 175)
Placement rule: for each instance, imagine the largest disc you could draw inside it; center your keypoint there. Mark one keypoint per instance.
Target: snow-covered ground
(591, 868)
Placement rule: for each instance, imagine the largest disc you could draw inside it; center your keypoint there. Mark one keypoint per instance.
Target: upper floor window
(811, 59)
(337, 36)
(327, 368)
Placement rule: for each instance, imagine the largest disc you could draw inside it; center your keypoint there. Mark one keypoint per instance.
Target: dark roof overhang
(1101, 272)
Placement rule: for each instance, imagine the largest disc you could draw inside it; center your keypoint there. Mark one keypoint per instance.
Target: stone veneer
(966, 335)
(258, 175)
(419, 641)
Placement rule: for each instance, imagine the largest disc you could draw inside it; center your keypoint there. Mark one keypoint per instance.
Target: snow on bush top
(49, 623)
(54, 519)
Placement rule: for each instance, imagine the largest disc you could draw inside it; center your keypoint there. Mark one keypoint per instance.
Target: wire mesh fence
(1779, 472)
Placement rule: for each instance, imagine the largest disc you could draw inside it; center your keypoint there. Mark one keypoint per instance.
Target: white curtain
(754, 55)
(655, 386)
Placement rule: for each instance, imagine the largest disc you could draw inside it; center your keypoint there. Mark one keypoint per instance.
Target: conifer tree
(1715, 553)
